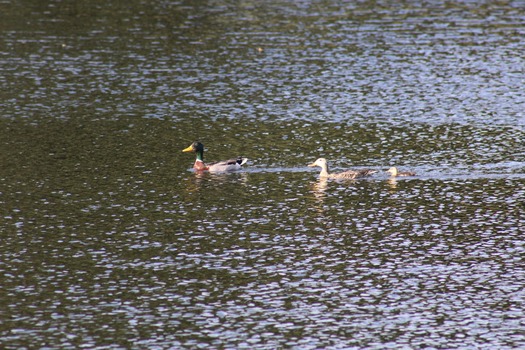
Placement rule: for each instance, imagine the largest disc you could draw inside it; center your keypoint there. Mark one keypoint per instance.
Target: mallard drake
(345, 175)
(223, 166)
(393, 172)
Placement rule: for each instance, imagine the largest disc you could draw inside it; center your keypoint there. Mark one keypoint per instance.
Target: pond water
(108, 239)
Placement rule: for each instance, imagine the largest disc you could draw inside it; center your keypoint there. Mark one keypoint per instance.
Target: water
(109, 240)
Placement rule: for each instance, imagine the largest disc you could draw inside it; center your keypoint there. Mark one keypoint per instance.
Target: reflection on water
(319, 188)
(108, 239)
(392, 183)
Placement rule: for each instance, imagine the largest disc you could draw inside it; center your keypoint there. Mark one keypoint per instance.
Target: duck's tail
(368, 172)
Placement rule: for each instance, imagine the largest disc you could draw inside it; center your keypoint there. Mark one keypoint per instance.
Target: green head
(196, 147)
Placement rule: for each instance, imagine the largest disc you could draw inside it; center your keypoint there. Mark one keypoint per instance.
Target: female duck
(346, 175)
(224, 166)
(394, 173)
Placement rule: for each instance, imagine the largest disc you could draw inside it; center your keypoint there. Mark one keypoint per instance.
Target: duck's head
(392, 171)
(194, 147)
(320, 162)
(198, 148)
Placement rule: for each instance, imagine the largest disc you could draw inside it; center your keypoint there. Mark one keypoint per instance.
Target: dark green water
(109, 240)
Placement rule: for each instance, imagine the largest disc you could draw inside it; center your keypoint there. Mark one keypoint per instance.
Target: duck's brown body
(394, 173)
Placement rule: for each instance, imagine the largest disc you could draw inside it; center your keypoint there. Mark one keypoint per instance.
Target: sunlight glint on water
(110, 240)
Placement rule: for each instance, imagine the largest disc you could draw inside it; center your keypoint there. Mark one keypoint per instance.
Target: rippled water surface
(109, 240)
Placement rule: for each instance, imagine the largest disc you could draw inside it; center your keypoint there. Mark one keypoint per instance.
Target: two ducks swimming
(236, 164)
(353, 174)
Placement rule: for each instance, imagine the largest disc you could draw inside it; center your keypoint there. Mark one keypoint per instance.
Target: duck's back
(352, 174)
(406, 173)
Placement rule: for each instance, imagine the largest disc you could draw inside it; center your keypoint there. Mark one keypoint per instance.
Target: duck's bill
(188, 149)
(312, 165)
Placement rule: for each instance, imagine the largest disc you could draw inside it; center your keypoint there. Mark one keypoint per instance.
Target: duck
(345, 175)
(222, 166)
(394, 173)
